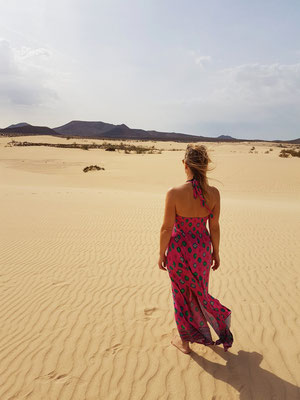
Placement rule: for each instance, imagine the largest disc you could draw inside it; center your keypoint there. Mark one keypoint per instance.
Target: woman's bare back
(188, 206)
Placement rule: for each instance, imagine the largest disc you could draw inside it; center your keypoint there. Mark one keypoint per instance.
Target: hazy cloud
(263, 84)
(27, 53)
(247, 98)
(23, 79)
(199, 59)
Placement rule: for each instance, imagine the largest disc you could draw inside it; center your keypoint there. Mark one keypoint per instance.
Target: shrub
(92, 167)
(290, 152)
(284, 155)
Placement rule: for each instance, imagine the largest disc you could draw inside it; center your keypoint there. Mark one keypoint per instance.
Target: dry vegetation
(285, 153)
(127, 148)
(93, 168)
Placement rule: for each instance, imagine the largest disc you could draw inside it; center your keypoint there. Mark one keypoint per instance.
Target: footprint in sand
(151, 312)
(53, 376)
(112, 349)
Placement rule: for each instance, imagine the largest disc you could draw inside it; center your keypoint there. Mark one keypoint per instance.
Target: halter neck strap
(197, 192)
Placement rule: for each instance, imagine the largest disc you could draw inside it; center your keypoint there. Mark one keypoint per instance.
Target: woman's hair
(197, 159)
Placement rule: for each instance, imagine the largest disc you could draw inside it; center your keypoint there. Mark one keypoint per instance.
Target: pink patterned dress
(188, 262)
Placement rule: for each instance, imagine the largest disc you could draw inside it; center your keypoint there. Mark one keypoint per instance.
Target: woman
(192, 251)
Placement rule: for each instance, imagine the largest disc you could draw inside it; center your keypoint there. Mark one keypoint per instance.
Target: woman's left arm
(167, 226)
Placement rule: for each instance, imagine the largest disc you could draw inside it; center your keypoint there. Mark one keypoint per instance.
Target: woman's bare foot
(181, 345)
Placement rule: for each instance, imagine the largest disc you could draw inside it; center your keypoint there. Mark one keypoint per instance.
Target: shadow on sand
(243, 373)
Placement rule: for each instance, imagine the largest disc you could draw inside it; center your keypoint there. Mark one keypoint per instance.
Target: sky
(199, 67)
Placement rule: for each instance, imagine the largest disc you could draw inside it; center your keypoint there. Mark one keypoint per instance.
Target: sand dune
(87, 314)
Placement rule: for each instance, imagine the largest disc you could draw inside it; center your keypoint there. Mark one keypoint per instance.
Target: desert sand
(87, 314)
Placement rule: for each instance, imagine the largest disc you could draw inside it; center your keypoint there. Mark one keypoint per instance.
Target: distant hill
(94, 129)
(104, 130)
(227, 138)
(295, 141)
(24, 129)
(18, 125)
(83, 128)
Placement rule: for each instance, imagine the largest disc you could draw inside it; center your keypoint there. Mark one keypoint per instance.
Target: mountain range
(103, 130)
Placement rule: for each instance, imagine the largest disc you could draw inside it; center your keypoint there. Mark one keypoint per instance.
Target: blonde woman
(192, 250)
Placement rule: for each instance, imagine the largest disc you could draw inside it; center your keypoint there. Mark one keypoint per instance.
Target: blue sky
(198, 67)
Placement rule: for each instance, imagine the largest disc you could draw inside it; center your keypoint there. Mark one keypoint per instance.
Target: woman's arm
(168, 221)
(214, 229)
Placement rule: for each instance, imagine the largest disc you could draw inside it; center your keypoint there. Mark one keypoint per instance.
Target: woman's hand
(215, 261)
(162, 262)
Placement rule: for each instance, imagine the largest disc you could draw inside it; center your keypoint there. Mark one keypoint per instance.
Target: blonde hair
(197, 159)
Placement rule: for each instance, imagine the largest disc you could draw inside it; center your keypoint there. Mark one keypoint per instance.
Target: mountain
(294, 141)
(27, 129)
(103, 130)
(227, 138)
(18, 125)
(84, 128)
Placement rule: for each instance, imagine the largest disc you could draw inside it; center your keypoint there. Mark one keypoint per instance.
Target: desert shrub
(128, 148)
(284, 155)
(92, 167)
(290, 152)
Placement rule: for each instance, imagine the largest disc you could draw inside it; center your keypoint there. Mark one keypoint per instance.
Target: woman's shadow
(243, 373)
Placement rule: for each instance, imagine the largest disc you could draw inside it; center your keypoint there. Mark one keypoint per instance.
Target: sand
(87, 314)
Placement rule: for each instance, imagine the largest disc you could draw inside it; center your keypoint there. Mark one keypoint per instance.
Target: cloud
(7, 62)
(200, 60)
(261, 84)
(24, 77)
(245, 100)
(27, 53)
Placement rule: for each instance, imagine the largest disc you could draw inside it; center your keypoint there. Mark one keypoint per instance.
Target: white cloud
(23, 77)
(200, 60)
(27, 52)
(261, 84)
(7, 62)
(245, 100)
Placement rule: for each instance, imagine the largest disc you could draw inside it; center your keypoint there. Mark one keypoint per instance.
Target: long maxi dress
(188, 262)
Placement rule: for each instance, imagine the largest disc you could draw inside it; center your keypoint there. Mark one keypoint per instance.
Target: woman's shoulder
(214, 191)
(213, 194)
(178, 189)
(174, 192)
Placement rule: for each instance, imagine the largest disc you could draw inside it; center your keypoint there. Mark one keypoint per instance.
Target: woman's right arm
(214, 229)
